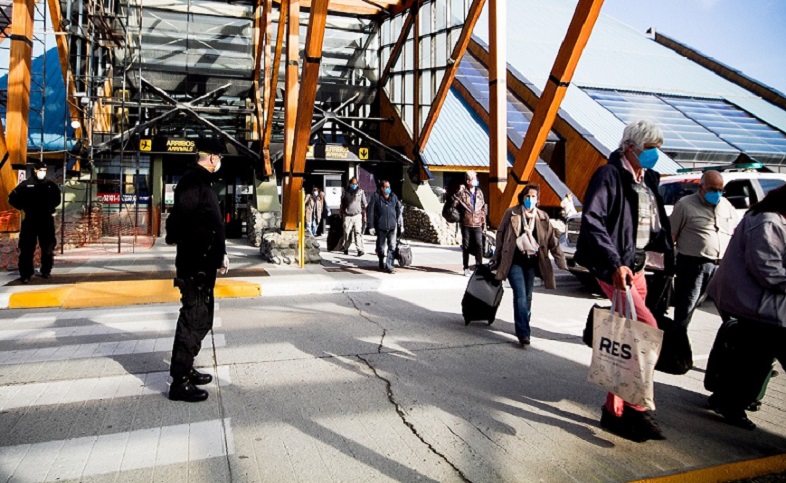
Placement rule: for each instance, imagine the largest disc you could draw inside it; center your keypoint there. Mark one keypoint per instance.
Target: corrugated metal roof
(47, 99)
(459, 138)
(616, 57)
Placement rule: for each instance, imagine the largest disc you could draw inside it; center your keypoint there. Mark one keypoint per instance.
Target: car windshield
(768, 185)
(672, 192)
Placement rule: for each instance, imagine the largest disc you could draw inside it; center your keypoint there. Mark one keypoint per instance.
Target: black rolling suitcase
(729, 364)
(335, 233)
(403, 254)
(482, 297)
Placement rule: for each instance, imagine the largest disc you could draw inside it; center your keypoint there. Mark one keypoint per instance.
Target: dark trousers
(386, 248)
(692, 276)
(522, 279)
(37, 230)
(758, 345)
(195, 320)
(472, 243)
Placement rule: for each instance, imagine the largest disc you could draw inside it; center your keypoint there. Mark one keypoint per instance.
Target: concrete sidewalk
(98, 276)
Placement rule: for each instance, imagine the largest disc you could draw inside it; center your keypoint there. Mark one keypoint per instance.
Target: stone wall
(429, 227)
(281, 248)
(260, 222)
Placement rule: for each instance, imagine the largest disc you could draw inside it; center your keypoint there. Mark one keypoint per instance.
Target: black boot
(642, 425)
(199, 379)
(182, 390)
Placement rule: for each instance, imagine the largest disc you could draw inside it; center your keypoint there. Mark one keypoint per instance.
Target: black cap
(210, 146)
(39, 165)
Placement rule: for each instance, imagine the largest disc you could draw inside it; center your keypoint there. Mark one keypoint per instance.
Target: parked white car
(743, 187)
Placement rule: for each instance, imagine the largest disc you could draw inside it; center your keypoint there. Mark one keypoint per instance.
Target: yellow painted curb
(38, 299)
(113, 294)
(728, 472)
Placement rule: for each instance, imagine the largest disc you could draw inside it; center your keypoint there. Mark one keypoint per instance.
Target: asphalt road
(344, 387)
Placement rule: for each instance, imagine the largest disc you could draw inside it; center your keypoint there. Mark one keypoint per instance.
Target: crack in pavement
(364, 316)
(221, 412)
(403, 416)
(389, 390)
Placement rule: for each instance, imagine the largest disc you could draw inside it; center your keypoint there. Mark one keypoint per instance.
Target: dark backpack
(450, 213)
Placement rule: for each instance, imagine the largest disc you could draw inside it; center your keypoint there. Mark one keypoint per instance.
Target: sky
(747, 35)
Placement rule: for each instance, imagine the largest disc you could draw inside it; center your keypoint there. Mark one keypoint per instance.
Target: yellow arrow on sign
(363, 153)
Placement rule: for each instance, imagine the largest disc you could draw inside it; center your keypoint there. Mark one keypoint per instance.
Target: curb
(728, 472)
(114, 294)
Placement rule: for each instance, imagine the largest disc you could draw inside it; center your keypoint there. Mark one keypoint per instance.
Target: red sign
(109, 198)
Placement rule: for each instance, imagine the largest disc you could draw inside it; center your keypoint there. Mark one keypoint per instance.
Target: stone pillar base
(281, 248)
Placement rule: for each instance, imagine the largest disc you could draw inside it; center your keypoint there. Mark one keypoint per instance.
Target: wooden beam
(56, 17)
(450, 73)
(309, 81)
(291, 94)
(261, 20)
(353, 7)
(271, 94)
(545, 112)
(18, 105)
(395, 52)
(8, 181)
(498, 101)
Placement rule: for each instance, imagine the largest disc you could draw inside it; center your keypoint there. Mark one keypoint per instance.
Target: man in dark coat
(38, 197)
(623, 228)
(195, 225)
(385, 218)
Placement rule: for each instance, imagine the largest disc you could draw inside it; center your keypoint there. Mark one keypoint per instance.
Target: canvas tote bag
(624, 352)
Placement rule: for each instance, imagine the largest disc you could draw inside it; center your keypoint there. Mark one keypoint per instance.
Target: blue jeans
(311, 227)
(692, 276)
(521, 279)
(386, 254)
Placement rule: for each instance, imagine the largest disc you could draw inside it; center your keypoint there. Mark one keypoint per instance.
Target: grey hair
(641, 132)
(470, 175)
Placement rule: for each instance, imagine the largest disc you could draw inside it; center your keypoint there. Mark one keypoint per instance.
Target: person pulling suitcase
(524, 239)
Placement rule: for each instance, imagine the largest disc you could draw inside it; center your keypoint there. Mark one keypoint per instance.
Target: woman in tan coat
(524, 239)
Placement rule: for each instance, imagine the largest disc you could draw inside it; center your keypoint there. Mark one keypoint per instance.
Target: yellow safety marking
(113, 294)
(727, 472)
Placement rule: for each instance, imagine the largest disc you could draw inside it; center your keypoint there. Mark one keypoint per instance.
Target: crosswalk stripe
(95, 455)
(91, 389)
(98, 328)
(99, 349)
(97, 314)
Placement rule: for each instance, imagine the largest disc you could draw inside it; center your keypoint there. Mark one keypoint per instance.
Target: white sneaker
(467, 272)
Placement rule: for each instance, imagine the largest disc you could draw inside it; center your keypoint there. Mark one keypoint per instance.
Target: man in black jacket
(195, 225)
(385, 218)
(623, 225)
(38, 198)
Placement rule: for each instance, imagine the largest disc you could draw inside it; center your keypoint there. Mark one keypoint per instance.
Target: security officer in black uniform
(37, 197)
(195, 225)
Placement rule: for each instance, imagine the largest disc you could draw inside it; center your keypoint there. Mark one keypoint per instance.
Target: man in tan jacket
(472, 206)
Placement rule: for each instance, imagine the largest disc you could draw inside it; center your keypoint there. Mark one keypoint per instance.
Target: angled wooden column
(309, 81)
(291, 91)
(8, 179)
(270, 93)
(450, 72)
(19, 81)
(56, 16)
(498, 103)
(545, 112)
(261, 20)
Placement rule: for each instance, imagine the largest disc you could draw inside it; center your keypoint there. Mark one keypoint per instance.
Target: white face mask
(40, 174)
(218, 166)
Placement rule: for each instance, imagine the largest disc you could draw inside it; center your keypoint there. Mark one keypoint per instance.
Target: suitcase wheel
(491, 321)
(467, 321)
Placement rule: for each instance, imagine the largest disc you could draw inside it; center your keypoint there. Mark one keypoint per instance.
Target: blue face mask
(529, 203)
(713, 197)
(353, 186)
(648, 158)
(387, 191)
(475, 183)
